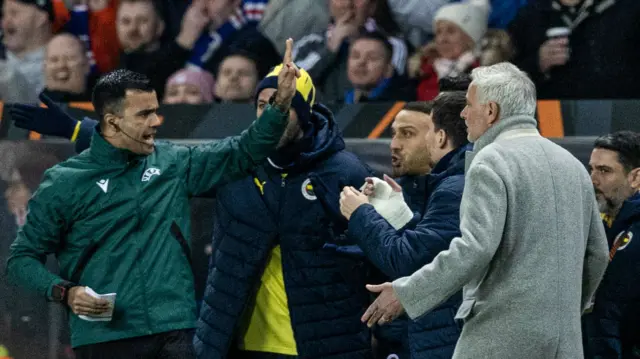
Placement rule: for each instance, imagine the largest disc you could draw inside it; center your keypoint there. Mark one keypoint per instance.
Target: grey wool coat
(531, 254)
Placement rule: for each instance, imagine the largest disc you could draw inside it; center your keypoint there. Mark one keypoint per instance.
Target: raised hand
(287, 78)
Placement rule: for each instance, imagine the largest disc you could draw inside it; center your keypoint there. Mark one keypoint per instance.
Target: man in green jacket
(114, 217)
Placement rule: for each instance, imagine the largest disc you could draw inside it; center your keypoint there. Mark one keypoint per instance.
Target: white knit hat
(471, 16)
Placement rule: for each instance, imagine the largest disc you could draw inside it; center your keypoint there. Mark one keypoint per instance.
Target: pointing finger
(288, 52)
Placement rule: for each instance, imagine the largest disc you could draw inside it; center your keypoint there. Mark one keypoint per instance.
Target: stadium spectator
(67, 70)
(277, 272)
(284, 18)
(437, 221)
(597, 59)
(143, 233)
(459, 29)
(371, 72)
(191, 86)
(500, 247)
(237, 78)
(613, 326)
(26, 29)
(94, 22)
(415, 18)
(140, 26)
(232, 26)
(325, 54)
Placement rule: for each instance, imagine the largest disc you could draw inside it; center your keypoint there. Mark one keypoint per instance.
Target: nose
(155, 120)
(395, 144)
(594, 178)
(463, 114)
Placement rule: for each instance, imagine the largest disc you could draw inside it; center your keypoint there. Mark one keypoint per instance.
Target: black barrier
(370, 120)
(32, 328)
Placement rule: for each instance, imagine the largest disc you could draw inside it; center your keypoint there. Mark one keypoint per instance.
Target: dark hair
(384, 18)
(447, 107)
(419, 106)
(458, 83)
(626, 144)
(380, 37)
(111, 89)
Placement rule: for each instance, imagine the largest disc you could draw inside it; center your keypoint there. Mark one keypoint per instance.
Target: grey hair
(507, 86)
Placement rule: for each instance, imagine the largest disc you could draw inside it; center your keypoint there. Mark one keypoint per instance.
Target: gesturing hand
(350, 200)
(51, 120)
(287, 78)
(82, 303)
(385, 308)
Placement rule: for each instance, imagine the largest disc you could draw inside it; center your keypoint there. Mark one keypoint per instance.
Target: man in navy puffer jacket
(277, 287)
(400, 253)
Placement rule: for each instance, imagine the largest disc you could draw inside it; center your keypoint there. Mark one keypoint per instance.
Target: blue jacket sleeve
(83, 141)
(400, 253)
(347, 170)
(615, 301)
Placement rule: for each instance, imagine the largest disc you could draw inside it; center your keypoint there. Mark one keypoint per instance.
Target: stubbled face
(139, 122)
(411, 143)
(293, 131)
(19, 24)
(237, 79)
(183, 93)
(611, 181)
(138, 25)
(451, 41)
(66, 66)
(476, 116)
(368, 64)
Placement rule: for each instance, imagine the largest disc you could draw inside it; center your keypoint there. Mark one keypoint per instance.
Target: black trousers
(170, 345)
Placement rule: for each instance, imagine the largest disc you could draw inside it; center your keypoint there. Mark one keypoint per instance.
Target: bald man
(67, 69)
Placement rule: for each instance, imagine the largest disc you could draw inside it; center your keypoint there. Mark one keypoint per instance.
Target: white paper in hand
(106, 316)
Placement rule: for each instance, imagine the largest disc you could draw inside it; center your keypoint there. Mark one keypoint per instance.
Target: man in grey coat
(533, 248)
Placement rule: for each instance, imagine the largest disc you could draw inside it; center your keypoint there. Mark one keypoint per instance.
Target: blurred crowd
(208, 51)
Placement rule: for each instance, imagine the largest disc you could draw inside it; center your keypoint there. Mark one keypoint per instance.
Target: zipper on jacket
(283, 181)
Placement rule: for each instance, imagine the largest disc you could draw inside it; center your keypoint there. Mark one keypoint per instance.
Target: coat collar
(104, 152)
(509, 127)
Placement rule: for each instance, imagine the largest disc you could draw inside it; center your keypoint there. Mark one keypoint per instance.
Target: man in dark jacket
(114, 216)
(277, 286)
(598, 58)
(613, 327)
(400, 253)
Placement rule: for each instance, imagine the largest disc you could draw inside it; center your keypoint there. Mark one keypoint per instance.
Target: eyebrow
(147, 111)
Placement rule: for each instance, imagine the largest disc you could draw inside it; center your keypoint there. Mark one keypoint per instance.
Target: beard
(417, 163)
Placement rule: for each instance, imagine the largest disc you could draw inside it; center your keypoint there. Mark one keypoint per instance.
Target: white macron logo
(103, 184)
(150, 172)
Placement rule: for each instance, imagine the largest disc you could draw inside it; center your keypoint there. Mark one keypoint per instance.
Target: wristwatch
(60, 291)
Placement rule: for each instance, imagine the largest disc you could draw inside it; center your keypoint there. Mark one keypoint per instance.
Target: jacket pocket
(465, 312)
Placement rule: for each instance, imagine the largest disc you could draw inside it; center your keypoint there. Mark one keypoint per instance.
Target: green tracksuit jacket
(113, 211)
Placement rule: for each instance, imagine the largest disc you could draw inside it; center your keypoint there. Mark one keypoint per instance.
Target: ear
(441, 138)
(41, 19)
(160, 27)
(634, 178)
(493, 112)
(110, 124)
